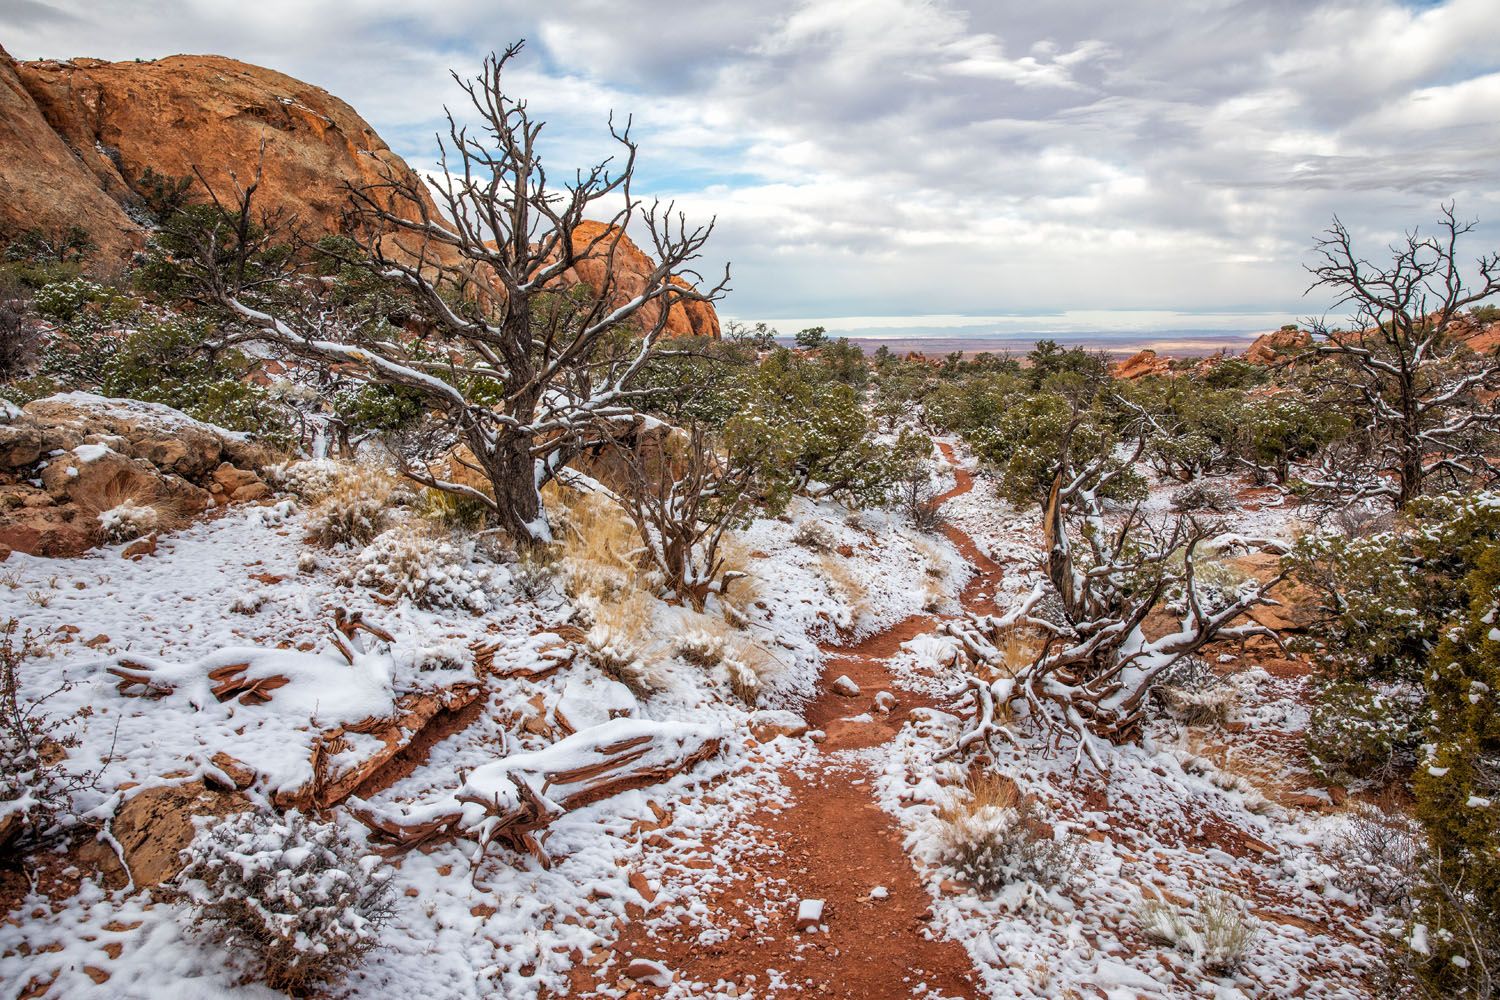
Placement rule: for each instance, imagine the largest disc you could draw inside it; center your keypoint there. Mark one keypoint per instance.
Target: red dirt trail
(832, 842)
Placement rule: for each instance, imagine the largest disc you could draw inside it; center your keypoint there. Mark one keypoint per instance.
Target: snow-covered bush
(617, 655)
(311, 479)
(1203, 497)
(36, 786)
(128, 520)
(814, 535)
(430, 567)
(356, 507)
(1380, 855)
(700, 648)
(294, 896)
(991, 835)
(1356, 732)
(1192, 693)
(1214, 932)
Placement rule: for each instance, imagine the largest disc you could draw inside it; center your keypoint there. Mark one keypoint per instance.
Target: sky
(910, 167)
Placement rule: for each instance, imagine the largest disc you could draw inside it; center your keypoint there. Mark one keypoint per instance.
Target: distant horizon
(1117, 343)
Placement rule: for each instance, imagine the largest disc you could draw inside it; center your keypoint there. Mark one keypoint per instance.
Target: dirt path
(834, 843)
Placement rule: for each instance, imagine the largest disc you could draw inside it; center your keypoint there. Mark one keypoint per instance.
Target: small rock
(880, 892)
(767, 725)
(644, 970)
(817, 735)
(846, 687)
(809, 914)
(97, 641)
(885, 701)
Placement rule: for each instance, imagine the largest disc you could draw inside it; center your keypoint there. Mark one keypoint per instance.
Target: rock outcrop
(1278, 346)
(187, 113)
(43, 183)
(68, 459)
(632, 268)
(80, 134)
(1140, 365)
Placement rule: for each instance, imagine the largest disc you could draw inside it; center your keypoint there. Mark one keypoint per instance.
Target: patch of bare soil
(832, 843)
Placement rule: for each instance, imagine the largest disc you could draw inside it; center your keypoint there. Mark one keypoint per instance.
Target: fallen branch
(516, 797)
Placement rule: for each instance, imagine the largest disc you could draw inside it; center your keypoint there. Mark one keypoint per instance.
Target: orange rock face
(632, 268)
(205, 112)
(1271, 348)
(1140, 365)
(43, 184)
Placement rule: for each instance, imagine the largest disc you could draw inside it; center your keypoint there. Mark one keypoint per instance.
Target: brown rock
(240, 774)
(155, 825)
(1278, 346)
(1140, 365)
(43, 185)
(54, 532)
(157, 434)
(766, 726)
(632, 268)
(100, 125)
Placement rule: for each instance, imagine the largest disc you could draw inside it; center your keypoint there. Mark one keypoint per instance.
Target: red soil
(833, 843)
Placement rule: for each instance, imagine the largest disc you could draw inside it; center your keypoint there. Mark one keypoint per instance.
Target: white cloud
(927, 158)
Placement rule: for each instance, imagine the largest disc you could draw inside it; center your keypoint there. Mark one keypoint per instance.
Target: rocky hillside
(80, 135)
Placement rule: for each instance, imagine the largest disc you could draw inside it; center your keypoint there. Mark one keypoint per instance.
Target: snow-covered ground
(244, 587)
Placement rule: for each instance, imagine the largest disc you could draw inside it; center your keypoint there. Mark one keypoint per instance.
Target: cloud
(916, 158)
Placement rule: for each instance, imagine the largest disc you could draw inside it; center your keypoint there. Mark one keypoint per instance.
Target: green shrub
(1458, 792)
(1356, 733)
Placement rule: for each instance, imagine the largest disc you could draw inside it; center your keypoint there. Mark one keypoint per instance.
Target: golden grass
(842, 583)
(170, 512)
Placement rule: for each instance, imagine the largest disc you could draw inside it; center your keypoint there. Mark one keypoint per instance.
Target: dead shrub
(813, 535)
(1214, 931)
(294, 897)
(355, 506)
(36, 786)
(1382, 855)
(992, 835)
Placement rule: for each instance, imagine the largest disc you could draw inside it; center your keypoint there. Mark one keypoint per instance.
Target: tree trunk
(512, 473)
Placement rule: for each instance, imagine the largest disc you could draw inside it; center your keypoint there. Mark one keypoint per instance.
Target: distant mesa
(79, 135)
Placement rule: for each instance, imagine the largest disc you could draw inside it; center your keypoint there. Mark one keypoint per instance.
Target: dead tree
(1427, 401)
(682, 496)
(1095, 667)
(526, 366)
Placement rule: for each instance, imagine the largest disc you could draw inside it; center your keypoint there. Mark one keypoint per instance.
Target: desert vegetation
(465, 537)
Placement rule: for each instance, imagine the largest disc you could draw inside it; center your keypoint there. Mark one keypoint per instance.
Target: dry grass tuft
(1214, 932)
(992, 835)
(128, 507)
(355, 505)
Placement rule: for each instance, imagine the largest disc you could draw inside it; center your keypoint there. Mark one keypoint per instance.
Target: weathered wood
(519, 796)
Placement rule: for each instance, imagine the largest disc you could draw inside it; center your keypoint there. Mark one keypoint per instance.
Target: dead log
(515, 798)
(414, 712)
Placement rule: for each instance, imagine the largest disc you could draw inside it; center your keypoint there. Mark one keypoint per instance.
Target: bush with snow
(128, 520)
(295, 897)
(992, 836)
(432, 568)
(700, 648)
(1214, 932)
(36, 785)
(613, 652)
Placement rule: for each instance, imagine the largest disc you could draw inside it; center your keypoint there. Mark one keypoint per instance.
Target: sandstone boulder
(100, 125)
(160, 435)
(1278, 346)
(157, 824)
(1140, 365)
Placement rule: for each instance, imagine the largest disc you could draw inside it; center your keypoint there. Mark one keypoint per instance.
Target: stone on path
(846, 687)
(885, 701)
(652, 973)
(809, 914)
